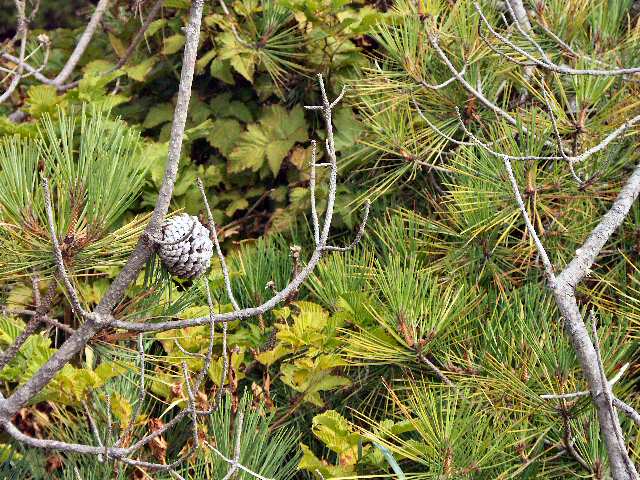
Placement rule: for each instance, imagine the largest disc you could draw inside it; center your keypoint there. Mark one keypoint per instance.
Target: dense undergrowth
(337, 382)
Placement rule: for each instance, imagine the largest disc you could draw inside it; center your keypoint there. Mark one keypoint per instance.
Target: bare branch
(439, 373)
(546, 63)
(236, 455)
(446, 83)
(568, 441)
(627, 409)
(143, 251)
(31, 327)
(433, 39)
(295, 283)
(230, 461)
(192, 407)
(548, 266)
(214, 236)
(586, 255)
(232, 25)
(608, 395)
(57, 252)
(614, 135)
(83, 43)
(312, 193)
(12, 350)
(584, 393)
(94, 428)
(23, 31)
(359, 234)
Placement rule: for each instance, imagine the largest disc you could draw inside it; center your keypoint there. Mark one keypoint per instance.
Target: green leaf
(223, 135)
(235, 205)
(272, 138)
(244, 64)
(221, 69)
(155, 26)
(157, 115)
(42, 99)
(334, 431)
(140, 71)
(270, 357)
(204, 60)
(97, 67)
(117, 45)
(156, 155)
(201, 130)
(222, 106)
(276, 151)
(172, 44)
(181, 4)
(312, 463)
(249, 151)
(347, 129)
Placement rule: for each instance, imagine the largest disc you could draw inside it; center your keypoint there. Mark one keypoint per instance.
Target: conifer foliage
(480, 322)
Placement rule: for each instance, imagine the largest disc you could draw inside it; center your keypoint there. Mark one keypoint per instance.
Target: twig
(83, 43)
(627, 409)
(94, 428)
(143, 251)
(57, 252)
(312, 193)
(546, 63)
(359, 234)
(23, 31)
(584, 393)
(439, 373)
(230, 461)
(236, 456)
(548, 266)
(568, 441)
(295, 283)
(30, 328)
(608, 395)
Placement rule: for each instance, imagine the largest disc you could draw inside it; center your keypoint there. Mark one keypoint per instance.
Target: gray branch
(143, 250)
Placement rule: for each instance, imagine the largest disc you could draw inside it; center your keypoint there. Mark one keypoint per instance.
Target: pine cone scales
(190, 257)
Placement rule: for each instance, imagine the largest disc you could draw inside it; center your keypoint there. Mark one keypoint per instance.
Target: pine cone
(190, 257)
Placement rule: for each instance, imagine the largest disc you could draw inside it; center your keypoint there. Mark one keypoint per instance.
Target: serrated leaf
(199, 131)
(204, 60)
(300, 158)
(223, 135)
(270, 357)
(347, 129)
(140, 71)
(172, 44)
(235, 205)
(244, 64)
(221, 69)
(42, 99)
(157, 115)
(335, 432)
(97, 67)
(156, 155)
(249, 151)
(276, 151)
(155, 26)
(312, 463)
(117, 45)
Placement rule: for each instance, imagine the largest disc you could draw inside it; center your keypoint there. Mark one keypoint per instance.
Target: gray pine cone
(191, 256)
